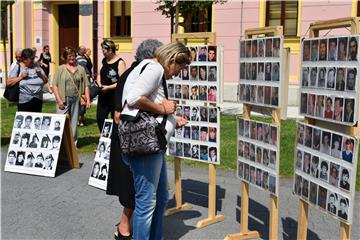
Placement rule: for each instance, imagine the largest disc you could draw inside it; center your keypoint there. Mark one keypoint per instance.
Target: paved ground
(65, 207)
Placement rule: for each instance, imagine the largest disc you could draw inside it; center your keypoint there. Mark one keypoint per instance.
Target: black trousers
(105, 106)
(34, 105)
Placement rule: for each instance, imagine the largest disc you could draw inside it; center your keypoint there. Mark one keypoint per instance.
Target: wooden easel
(68, 155)
(276, 118)
(354, 24)
(212, 217)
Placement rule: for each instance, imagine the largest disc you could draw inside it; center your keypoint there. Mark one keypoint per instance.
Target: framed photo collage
(260, 71)
(258, 154)
(329, 79)
(100, 167)
(35, 143)
(198, 140)
(325, 170)
(199, 81)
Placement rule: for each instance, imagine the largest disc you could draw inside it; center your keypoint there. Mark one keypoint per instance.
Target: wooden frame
(212, 216)
(315, 28)
(276, 118)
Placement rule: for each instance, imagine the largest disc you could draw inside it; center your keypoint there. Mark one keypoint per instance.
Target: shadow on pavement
(290, 230)
(175, 227)
(61, 169)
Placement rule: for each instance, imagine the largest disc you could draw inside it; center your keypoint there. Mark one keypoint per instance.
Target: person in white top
(145, 92)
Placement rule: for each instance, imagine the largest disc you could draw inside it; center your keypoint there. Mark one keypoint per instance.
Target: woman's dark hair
(104, 167)
(345, 172)
(27, 53)
(324, 164)
(46, 46)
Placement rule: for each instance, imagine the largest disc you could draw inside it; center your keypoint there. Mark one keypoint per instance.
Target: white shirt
(148, 84)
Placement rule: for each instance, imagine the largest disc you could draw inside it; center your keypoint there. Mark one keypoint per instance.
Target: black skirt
(120, 178)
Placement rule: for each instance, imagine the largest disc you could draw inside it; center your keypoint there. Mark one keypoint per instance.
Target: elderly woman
(120, 178)
(31, 79)
(69, 83)
(144, 90)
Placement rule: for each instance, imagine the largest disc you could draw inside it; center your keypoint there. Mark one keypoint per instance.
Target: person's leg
(124, 227)
(34, 105)
(101, 113)
(74, 115)
(162, 196)
(146, 171)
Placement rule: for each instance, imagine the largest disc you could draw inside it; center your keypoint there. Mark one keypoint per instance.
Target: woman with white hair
(120, 179)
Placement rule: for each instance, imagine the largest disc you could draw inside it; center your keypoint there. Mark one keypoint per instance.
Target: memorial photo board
(35, 143)
(199, 140)
(258, 154)
(100, 167)
(260, 81)
(330, 79)
(325, 164)
(200, 81)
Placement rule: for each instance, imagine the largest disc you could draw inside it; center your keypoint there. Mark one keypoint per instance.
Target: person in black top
(112, 68)
(44, 61)
(120, 180)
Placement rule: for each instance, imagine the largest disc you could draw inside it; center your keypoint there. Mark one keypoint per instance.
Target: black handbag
(94, 89)
(12, 92)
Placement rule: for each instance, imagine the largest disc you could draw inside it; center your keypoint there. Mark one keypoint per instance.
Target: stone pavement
(65, 207)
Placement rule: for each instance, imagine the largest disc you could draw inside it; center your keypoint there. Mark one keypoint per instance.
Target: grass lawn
(89, 137)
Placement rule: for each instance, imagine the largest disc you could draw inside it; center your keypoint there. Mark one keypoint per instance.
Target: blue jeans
(151, 195)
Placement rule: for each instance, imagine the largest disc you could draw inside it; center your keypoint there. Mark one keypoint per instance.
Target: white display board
(330, 79)
(100, 167)
(258, 154)
(35, 143)
(325, 166)
(260, 78)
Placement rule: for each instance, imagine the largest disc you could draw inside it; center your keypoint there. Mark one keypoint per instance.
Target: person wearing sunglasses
(31, 80)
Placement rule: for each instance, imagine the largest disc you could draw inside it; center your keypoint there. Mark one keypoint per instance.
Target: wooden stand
(354, 24)
(276, 118)
(68, 154)
(208, 38)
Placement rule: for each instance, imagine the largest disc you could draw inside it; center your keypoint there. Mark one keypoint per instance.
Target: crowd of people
(139, 181)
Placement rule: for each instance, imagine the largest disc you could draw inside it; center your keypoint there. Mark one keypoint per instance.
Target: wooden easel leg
(274, 217)
(178, 191)
(244, 217)
(302, 220)
(345, 231)
(212, 217)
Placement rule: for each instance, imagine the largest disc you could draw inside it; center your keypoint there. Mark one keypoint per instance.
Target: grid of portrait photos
(329, 79)
(35, 143)
(325, 170)
(198, 140)
(260, 71)
(258, 154)
(100, 167)
(200, 80)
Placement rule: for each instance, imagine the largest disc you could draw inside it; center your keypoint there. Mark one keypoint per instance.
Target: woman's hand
(61, 104)
(169, 106)
(88, 104)
(117, 117)
(180, 121)
(23, 75)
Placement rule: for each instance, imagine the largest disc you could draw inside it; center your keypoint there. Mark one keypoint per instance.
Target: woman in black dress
(44, 61)
(120, 179)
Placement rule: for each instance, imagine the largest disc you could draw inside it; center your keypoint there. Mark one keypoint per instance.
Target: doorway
(68, 27)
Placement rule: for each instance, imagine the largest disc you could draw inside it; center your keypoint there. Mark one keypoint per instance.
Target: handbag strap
(72, 80)
(163, 122)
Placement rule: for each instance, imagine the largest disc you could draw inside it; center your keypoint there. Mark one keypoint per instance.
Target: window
(358, 8)
(120, 21)
(199, 22)
(284, 13)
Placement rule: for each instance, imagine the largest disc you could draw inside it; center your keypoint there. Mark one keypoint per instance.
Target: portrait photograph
(349, 110)
(298, 185)
(259, 131)
(193, 53)
(103, 172)
(202, 55)
(332, 52)
(336, 143)
(258, 177)
(30, 160)
(246, 172)
(325, 142)
(300, 134)
(172, 148)
(253, 93)
(313, 193)
(252, 174)
(308, 136)
(178, 91)
(313, 76)
(305, 188)
(171, 90)
(345, 179)
(185, 91)
(57, 123)
(332, 202)
(253, 134)
(253, 71)
(273, 136)
(195, 151)
(299, 156)
(329, 113)
(275, 96)
(323, 50)
(258, 156)
(343, 210)
(268, 71)
(242, 49)
(261, 48)
(276, 47)
(275, 72)
(247, 150)
(212, 73)
(340, 79)
(353, 48)
(27, 122)
(272, 163)
(186, 132)
(324, 170)
(267, 97)
(185, 73)
(212, 134)
(95, 170)
(252, 152)
(45, 125)
(202, 73)
(203, 133)
(311, 104)
(179, 149)
(314, 50)
(265, 180)
(179, 132)
(187, 150)
(213, 115)
(248, 48)
(203, 152)
(306, 162)
(37, 123)
(203, 114)
(195, 134)
(194, 92)
(322, 197)
(213, 154)
(246, 128)
(351, 79)
(186, 113)
(194, 73)
(16, 139)
(266, 157)
(342, 48)
(316, 139)
(338, 109)
(303, 103)
(194, 114)
(330, 80)
(319, 106)
(179, 111)
(321, 77)
(106, 131)
(100, 153)
(268, 47)
(212, 53)
(314, 166)
(45, 141)
(242, 71)
(240, 170)
(260, 72)
(260, 95)
(254, 48)
(18, 122)
(306, 50)
(202, 93)
(212, 92)
(348, 149)
(305, 77)
(241, 148)
(248, 71)
(39, 161)
(272, 184)
(247, 93)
